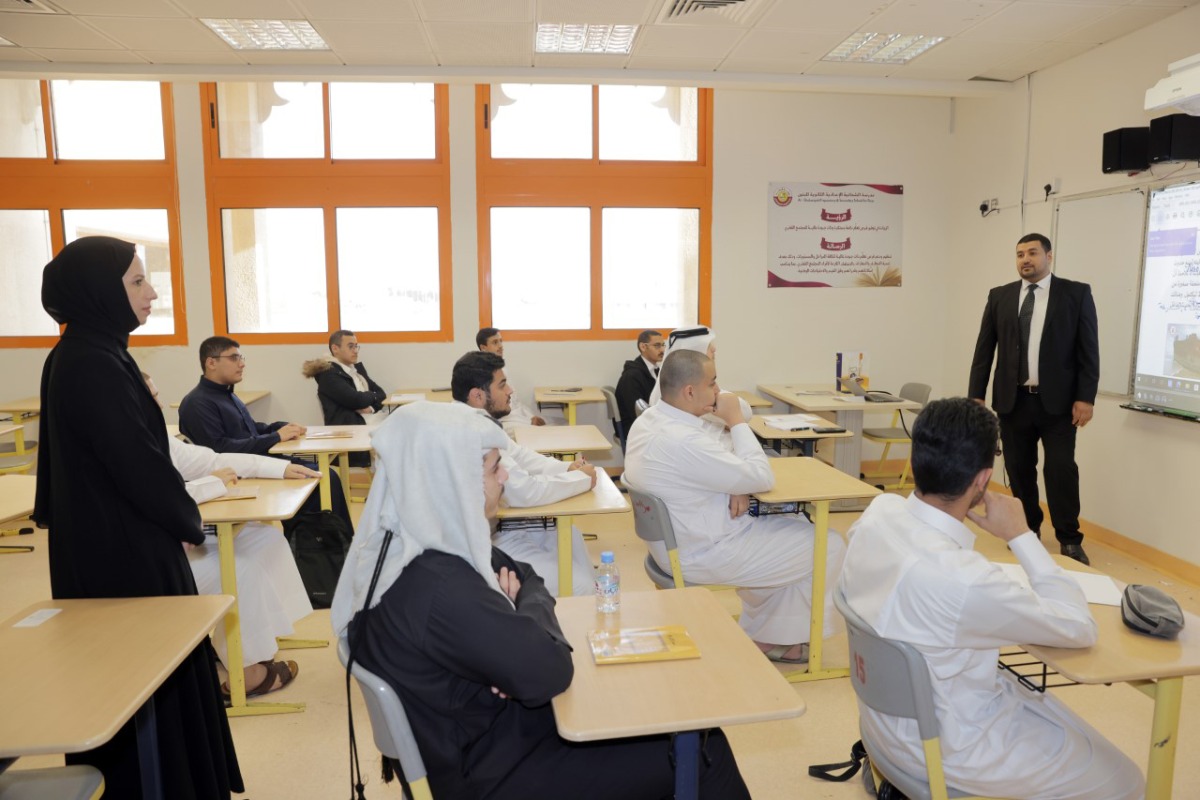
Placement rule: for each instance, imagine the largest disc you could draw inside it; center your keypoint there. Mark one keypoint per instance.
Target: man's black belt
(1028, 389)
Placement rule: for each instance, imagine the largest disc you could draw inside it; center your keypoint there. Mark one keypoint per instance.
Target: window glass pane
(541, 121)
(26, 237)
(274, 270)
(270, 120)
(647, 123)
(651, 266)
(383, 287)
(146, 228)
(540, 268)
(22, 134)
(381, 120)
(107, 119)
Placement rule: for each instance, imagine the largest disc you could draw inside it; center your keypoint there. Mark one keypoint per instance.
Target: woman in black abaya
(117, 510)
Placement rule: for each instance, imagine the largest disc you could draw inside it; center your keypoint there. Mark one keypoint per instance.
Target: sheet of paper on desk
(328, 435)
(1098, 589)
(406, 397)
(793, 422)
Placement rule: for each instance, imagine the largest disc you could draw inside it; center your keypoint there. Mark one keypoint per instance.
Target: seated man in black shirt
(212, 416)
(467, 636)
(348, 395)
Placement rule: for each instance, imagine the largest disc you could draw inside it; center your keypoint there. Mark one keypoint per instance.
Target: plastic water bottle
(608, 585)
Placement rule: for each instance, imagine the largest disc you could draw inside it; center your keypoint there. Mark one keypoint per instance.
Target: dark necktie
(1024, 321)
(656, 372)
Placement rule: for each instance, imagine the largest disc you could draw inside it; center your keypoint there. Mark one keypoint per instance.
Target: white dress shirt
(370, 416)
(1041, 299)
(912, 575)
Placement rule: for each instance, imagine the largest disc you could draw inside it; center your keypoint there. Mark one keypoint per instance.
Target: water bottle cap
(606, 557)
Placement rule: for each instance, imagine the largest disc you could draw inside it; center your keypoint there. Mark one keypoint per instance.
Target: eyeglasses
(353, 346)
(657, 345)
(238, 357)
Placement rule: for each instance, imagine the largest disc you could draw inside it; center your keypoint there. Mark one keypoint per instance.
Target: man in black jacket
(638, 377)
(348, 395)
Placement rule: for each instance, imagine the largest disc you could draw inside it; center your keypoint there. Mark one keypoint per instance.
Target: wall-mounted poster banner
(834, 234)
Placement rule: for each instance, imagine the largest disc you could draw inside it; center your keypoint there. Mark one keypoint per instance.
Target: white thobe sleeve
(998, 611)
(535, 479)
(193, 461)
(709, 465)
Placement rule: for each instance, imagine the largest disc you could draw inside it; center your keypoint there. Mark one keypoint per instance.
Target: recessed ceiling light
(882, 48)
(580, 38)
(267, 34)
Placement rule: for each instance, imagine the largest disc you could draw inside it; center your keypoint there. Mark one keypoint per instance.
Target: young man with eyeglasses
(347, 394)
(639, 375)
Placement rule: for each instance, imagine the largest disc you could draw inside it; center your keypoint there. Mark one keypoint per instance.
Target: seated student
(489, 340)
(271, 595)
(533, 479)
(912, 575)
(705, 474)
(467, 636)
(348, 395)
(638, 377)
(212, 416)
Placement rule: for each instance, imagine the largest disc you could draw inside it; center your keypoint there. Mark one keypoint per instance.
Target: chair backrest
(651, 521)
(888, 676)
(639, 406)
(916, 392)
(389, 723)
(610, 396)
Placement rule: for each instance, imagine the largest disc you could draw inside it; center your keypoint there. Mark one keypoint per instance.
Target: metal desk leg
(816, 627)
(238, 706)
(343, 469)
(323, 464)
(565, 579)
(1164, 736)
(149, 763)
(571, 413)
(687, 765)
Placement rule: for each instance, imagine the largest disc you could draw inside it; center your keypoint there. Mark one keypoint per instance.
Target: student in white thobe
(912, 575)
(533, 479)
(680, 455)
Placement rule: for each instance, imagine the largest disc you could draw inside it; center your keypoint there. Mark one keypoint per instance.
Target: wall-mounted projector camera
(1180, 89)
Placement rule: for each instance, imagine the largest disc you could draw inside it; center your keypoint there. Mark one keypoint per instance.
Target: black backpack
(320, 541)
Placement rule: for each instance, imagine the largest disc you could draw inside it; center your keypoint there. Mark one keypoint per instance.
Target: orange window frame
(327, 184)
(54, 185)
(594, 184)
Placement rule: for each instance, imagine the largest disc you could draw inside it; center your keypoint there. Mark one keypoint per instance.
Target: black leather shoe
(1075, 551)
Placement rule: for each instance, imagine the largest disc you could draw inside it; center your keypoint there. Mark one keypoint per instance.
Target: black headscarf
(83, 285)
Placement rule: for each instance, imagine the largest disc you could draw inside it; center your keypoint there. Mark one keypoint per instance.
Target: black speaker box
(1127, 150)
(1175, 137)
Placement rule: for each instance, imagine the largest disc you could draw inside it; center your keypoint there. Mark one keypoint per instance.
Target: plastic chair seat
(10, 448)
(76, 782)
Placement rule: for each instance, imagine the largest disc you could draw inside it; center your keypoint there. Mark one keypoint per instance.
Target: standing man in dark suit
(1047, 370)
(639, 376)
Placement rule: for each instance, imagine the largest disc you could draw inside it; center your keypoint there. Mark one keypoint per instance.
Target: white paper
(410, 397)
(1098, 589)
(793, 422)
(37, 618)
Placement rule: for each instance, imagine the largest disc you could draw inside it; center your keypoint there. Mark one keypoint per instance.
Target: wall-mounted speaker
(1127, 150)
(1175, 137)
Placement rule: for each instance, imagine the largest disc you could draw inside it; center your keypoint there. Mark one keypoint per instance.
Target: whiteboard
(1099, 240)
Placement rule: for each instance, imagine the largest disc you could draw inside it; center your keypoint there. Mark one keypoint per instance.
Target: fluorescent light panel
(882, 48)
(267, 34)
(580, 38)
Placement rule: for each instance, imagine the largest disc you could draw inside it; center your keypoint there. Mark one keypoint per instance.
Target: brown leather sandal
(281, 672)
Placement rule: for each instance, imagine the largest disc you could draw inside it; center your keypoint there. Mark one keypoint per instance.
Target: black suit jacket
(635, 384)
(1068, 358)
(341, 399)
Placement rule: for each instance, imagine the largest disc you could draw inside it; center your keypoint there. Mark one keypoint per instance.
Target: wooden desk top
(754, 400)
(731, 682)
(827, 399)
(809, 479)
(247, 396)
(6, 429)
(359, 441)
(561, 438)
(277, 500)
(764, 431)
(432, 395)
(557, 394)
(26, 405)
(606, 498)
(16, 496)
(70, 683)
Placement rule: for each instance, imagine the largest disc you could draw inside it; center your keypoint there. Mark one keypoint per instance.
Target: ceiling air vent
(719, 12)
(27, 7)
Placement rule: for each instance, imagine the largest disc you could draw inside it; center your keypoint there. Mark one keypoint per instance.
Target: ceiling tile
(612, 12)
(1045, 21)
(843, 17)
(240, 9)
(934, 17)
(480, 43)
(973, 57)
(120, 8)
(36, 30)
(373, 37)
(203, 57)
(777, 45)
(686, 41)
(72, 56)
(290, 57)
(1122, 21)
(695, 64)
(476, 10)
(158, 34)
(20, 54)
(1038, 59)
(363, 10)
(388, 58)
(769, 67)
